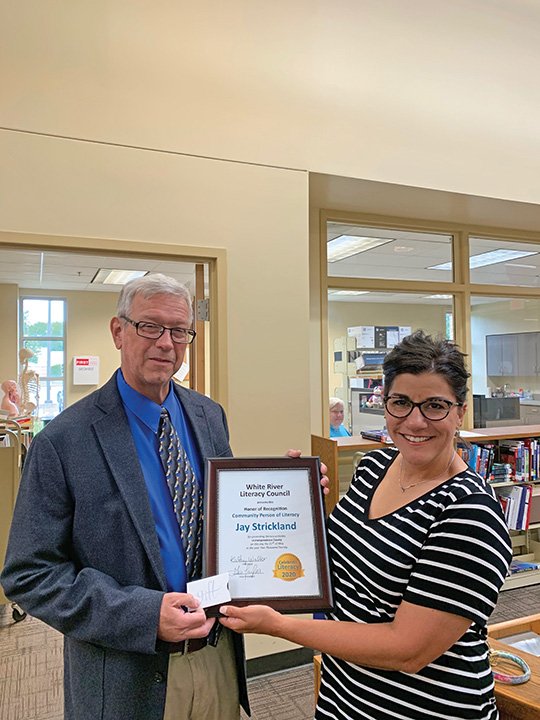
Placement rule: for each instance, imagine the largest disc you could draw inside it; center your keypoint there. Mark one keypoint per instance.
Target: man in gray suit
(96, 548)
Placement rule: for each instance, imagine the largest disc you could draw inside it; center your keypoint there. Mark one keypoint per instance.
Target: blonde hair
(335, 401)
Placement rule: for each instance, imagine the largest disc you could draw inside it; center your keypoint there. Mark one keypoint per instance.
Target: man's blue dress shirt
(143, 416)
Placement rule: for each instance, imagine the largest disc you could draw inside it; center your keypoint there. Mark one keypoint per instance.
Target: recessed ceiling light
(403, 249)
(106, 276)
(519, 265)
(488, 258)
(437, 297)
(346, 245)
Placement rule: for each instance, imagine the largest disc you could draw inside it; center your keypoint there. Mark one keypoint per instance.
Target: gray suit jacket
(83, 554)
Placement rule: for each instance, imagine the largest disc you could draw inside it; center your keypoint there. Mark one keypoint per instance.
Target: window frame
(45, 380)
(460, 287)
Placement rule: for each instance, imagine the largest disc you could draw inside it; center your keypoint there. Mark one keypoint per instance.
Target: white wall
(9, 359)
(64, 188)
(427, 93)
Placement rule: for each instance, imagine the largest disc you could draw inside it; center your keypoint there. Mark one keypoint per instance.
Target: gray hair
(148, 286)
(335, 401)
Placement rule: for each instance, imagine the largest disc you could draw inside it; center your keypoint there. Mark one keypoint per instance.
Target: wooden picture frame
(265, 526)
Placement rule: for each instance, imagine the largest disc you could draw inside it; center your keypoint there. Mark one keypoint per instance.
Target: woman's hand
(251, 619)
(325, 482)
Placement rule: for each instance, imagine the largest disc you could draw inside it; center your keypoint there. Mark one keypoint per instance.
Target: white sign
(364, 334)
(403, 331)
(86, 370)
(266, 522)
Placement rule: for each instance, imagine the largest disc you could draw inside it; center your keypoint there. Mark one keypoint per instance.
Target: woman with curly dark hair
(419, 551)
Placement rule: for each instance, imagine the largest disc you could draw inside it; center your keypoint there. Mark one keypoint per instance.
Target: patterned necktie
(185, 493)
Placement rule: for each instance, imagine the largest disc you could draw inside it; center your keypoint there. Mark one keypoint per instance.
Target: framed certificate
(264, 525)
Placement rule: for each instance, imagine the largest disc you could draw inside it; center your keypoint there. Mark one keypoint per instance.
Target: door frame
(214, 257)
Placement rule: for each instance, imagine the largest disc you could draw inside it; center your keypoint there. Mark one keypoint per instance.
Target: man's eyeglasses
(432, 408)
(152, 331)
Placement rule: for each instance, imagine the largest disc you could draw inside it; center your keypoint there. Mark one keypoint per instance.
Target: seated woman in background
(419, 551)
(337, 410)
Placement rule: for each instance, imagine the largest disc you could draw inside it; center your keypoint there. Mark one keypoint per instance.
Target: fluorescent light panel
(488, 258)
(107, 276)
(437, 297)
(346, 245)
(348, 292)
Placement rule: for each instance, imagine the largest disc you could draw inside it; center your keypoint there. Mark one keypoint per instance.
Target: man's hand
(325, 482)
(176, 623)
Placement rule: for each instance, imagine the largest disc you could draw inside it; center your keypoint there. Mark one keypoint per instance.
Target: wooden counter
(517, 702)
(336, 452)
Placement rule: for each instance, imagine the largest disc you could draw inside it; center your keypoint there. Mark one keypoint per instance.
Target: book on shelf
(517, 566)
(377, 435)
(516, 505)
(478, 457)
(501, 473)
(523, 456)
(510, 461)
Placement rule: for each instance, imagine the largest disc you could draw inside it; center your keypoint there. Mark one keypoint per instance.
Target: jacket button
(159, 678)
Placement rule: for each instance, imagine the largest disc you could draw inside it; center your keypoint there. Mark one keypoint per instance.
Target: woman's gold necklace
(437, 477)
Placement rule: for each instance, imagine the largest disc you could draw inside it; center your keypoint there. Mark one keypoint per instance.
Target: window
(504, 262)
(43, 372)
(481, 290)
(362, 327)
(358, 251)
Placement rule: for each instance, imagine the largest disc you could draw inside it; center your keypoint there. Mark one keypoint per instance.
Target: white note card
(211, 590)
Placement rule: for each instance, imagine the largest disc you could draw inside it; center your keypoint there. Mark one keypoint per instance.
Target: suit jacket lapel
(114, 435)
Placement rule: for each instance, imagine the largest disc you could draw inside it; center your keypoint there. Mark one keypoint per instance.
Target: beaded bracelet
(510, 679)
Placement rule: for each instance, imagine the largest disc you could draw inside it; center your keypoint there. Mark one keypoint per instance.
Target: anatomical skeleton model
(29, 384)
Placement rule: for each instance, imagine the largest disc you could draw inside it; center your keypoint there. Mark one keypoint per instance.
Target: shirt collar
(142, 407)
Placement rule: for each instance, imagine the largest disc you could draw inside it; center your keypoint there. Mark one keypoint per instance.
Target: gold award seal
(288, 567)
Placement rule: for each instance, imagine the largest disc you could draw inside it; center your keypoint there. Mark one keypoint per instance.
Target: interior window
(42, 357)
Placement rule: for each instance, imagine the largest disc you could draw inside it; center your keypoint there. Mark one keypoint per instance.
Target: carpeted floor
(31, 669)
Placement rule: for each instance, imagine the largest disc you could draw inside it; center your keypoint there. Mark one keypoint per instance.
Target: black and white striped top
(448, 550)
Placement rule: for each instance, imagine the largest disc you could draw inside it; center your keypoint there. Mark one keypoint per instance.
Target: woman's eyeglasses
(432, 408)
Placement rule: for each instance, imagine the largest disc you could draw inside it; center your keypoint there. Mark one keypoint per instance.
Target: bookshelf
(339, 455)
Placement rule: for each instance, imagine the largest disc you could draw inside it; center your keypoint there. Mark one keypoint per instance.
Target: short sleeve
(464, 560)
